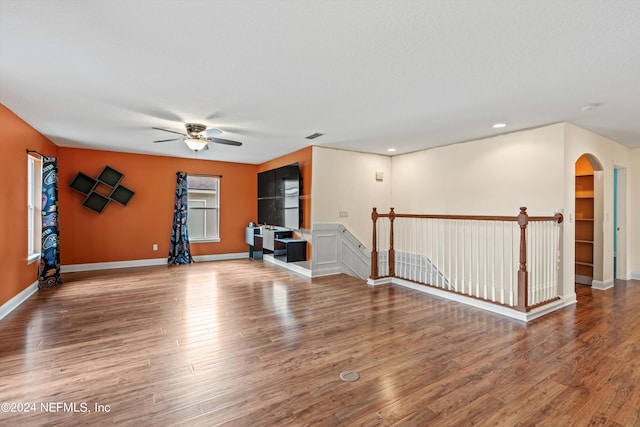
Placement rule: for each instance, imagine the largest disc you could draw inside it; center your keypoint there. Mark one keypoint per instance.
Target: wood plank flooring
(244, 343)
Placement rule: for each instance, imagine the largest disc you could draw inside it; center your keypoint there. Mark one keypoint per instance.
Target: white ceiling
(369, 74)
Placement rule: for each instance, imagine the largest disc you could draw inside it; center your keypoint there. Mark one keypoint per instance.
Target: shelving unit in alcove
(584, 222)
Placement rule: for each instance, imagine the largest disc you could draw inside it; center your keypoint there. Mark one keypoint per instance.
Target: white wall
(579, 141)
(346, 181)
(492, 176)
(633, 225)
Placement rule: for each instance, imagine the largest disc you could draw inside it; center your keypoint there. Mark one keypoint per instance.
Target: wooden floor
(244, 343)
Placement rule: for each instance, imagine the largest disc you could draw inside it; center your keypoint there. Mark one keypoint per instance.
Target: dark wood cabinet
(291, 250)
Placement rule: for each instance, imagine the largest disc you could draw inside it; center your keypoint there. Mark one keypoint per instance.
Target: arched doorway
(589, 211)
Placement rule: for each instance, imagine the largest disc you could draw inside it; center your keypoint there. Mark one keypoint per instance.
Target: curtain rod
(37, 152)
(203, 174)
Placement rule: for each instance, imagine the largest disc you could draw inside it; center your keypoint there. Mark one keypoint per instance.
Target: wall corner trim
(14, 302)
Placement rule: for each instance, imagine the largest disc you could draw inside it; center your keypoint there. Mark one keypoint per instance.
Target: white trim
(484, 305)
(598, 284)
(212, 240)
(33, 258)
(110, 265)
(220, 257)
(583, 280)
(143, 262)
(14, 302)
(288, 265)
(381, 281)
(635, 275)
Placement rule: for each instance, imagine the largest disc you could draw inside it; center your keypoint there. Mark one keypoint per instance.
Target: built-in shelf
(584, 230)
(590, 264)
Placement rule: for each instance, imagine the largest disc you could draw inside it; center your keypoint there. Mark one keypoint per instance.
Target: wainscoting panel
(336, 250)
(325, 248)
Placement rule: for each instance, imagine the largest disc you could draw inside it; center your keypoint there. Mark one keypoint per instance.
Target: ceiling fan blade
(225, 141)
(167, 140)
(212, 132)
(172, 131)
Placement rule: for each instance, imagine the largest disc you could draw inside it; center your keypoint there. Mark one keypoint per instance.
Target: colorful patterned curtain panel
(179, 249)
(49, 275)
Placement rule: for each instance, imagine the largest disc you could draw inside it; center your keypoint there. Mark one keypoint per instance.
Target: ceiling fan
(197, 139)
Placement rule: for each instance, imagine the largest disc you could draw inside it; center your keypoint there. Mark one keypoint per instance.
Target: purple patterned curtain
(179, 249)
(49, 275)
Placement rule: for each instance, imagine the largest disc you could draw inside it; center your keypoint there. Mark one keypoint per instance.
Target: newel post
(374, 251)
(559, 218)
(392, 252)
(523, 274)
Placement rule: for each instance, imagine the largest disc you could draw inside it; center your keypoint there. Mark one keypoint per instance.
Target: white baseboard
(583, 280)
(219, 257)
(635, 276)
(493, 308)
(14, 302)
(144, 262)
(380, 281)
(598, 284)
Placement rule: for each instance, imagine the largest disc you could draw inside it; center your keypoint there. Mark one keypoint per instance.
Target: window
(204, 208)
(34, 206)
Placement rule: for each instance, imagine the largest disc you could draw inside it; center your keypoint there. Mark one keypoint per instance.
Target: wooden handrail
(557, 217)
(522, 219)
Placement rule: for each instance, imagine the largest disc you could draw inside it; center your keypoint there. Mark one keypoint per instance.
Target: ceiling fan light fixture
(196, 144)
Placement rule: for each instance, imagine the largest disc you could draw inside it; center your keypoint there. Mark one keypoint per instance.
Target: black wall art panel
(102, 190)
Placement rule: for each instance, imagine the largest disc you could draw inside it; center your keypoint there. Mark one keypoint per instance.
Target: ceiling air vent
(314, 135)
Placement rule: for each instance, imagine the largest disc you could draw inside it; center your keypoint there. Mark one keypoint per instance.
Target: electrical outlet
(343, 214)
(155, 246)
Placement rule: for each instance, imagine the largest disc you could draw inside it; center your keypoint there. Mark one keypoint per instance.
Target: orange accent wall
(123, 233)
(16, 136)
(120, 233)
(303, 157)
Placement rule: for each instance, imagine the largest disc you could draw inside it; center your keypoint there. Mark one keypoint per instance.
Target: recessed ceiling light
(499, 125)
(391, 150)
